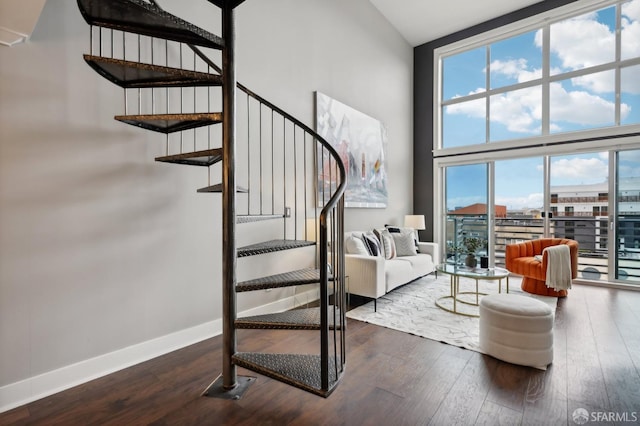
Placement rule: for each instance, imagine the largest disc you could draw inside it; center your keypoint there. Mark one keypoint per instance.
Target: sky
(575, 104)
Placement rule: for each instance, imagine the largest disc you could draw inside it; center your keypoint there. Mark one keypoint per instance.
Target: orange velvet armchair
(520, 260)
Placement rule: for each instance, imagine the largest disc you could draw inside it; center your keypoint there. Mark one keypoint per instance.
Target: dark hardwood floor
(392, 378)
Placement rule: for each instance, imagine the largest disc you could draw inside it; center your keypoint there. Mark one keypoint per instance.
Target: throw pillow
(405, 244)
(387, 244)
(372, 243)
(355, 245)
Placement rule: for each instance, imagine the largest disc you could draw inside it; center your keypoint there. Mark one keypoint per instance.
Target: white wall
(107, 257)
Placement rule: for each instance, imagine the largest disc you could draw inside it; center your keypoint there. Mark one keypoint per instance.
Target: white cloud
(518, 110)
(580, 107)
(580, 169)
(630, 80)
(516, 69)
(582, 42)
(535, 200)
(474, 108)
(578, 43)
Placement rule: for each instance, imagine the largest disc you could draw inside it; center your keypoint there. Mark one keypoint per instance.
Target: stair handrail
(341, 188)
(323, 218)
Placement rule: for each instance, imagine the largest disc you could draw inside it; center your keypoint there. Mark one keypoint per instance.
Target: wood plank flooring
(392, 378)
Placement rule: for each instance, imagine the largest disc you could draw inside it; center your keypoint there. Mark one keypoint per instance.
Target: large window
(574, 74)
(536, 135)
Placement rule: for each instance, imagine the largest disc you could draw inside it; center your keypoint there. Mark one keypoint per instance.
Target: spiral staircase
(275, 172)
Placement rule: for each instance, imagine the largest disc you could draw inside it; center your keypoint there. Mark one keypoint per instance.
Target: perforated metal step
(169, 123)
(287, 279)
(198, 158)
(257, 217)
(217, 188)
(302, 371)
(296, 319)
(133, 75)
(272, 246)
(140, 17)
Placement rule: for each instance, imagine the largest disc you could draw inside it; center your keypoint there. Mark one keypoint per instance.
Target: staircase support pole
(229, 313)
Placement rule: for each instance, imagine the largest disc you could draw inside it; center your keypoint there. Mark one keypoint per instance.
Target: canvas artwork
(361, 142)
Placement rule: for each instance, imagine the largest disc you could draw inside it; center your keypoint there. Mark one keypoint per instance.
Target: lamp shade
(415, 221)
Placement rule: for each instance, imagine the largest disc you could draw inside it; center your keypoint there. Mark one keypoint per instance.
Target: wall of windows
(572, 73)
(556, 91)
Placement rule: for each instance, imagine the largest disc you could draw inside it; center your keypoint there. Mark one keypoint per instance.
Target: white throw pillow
(387, 243)
(405, 243)
(355, 245)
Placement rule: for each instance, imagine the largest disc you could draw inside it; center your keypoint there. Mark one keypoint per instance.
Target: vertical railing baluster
(284, 173)
(248, 155)
(260, 155)
(295, 185)
(153, 89)
(139, 90)
(124, 57)
(273, 182)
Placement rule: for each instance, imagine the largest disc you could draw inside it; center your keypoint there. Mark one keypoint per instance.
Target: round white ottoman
(517, 329)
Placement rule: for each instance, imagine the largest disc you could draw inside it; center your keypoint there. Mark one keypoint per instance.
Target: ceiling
(17, 20)
(420, 21)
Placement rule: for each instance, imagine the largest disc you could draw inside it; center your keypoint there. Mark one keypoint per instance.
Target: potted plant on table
(471, 247)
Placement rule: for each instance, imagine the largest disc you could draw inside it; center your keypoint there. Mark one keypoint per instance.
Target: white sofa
(374, 276)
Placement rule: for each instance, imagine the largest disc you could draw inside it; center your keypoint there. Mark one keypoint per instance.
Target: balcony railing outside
(590, 232)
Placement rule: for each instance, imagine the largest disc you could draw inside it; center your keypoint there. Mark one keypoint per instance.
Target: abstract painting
(361, 142)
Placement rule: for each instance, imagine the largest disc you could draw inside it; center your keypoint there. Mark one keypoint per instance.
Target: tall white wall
(107, 257)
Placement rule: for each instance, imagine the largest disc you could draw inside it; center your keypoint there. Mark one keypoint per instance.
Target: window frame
(542, 21)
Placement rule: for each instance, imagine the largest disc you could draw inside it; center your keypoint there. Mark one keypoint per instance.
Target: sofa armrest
(432, 249)
(365, 275)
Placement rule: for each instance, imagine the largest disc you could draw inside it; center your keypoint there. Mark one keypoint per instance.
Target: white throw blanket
(558, 267)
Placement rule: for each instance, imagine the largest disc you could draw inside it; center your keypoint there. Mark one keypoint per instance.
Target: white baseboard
(25, 391)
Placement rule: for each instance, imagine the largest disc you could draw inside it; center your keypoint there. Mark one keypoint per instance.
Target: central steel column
(229, 313)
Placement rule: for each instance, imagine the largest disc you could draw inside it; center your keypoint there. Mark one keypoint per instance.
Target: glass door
(518, 203)
(627, 219)
(562, 196)
(579, 206)
(466, 209)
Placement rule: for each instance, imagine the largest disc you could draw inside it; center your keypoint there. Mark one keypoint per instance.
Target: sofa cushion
(355, 245)
(422, 263)
(372, 244)
(397, 272)
(386, 242)
(405, 243)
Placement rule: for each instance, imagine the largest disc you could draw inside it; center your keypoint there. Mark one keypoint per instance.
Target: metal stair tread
(140, 17)
(169, 123)
(206, 157)
(130, 74)
(286, 279)
(247, 218)
(295, 319)
(300, 370)
(272, 246)
(217, 188)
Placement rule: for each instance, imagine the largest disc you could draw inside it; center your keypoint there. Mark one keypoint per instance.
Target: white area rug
(412, 309)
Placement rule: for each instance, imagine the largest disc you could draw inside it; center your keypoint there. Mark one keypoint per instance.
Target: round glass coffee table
(456, 272)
